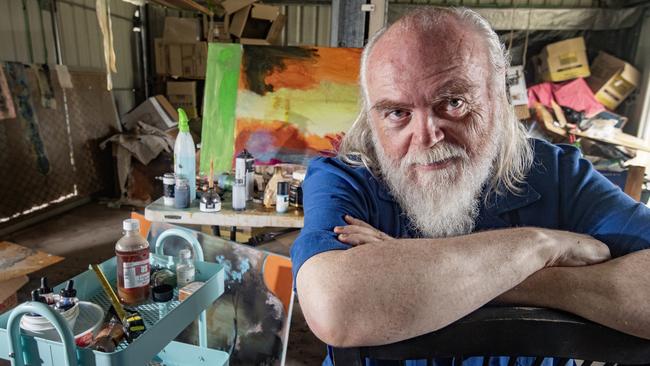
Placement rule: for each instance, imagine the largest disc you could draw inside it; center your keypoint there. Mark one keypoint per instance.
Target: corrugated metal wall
(502, 3)
(26, 35)
(307, 25)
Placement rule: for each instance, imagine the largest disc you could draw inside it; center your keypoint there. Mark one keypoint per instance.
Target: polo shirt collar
(498, 204)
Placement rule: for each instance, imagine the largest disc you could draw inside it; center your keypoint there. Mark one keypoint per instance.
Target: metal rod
(144, 21)
(55, 32)
(28, 32)
(40, 16)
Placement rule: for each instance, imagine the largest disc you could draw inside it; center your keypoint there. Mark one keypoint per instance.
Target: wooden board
(17, 260)
(621, 139)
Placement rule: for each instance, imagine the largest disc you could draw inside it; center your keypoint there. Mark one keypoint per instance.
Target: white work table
(255, 215)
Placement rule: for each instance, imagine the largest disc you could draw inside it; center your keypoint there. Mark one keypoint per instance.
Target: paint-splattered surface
(294, 101)
(248, 320)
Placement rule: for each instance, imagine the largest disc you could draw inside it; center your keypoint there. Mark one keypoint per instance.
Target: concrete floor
(87, 234)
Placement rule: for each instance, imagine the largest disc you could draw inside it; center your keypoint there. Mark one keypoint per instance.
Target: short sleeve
(591, 204)
(330, 192)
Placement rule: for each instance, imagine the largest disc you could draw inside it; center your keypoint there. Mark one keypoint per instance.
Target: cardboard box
(160, 55)
(181, 30)
(182, 94)
(155, 111)
(257, 24)
(187, 60)
(231, 6)
(612, 80)
(564, 60)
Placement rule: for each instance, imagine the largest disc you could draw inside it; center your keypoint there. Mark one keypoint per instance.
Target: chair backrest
(634, 181)
(513, 332)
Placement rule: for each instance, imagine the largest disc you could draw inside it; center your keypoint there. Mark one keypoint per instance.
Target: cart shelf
(156, 343)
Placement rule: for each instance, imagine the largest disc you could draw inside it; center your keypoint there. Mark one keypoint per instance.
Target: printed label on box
(136, 274)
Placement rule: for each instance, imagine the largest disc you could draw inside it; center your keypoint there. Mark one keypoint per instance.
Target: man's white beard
(445, 202)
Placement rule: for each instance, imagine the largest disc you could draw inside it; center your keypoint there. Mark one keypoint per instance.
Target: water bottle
(185, 154)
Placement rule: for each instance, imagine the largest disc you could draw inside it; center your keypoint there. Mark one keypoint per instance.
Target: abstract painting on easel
(295, 103)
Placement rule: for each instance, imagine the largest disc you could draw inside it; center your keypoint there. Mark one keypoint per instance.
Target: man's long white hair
(514, 156)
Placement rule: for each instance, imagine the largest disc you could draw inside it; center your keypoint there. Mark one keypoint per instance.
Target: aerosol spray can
(250, 172)
(239, 186)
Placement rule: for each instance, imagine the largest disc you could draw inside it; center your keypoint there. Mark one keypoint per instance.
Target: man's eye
(453, 107)
(456, 103)
(397, 115)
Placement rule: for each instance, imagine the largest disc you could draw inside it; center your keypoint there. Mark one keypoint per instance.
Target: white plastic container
(185, 153)
(85, 320)
(40, 326)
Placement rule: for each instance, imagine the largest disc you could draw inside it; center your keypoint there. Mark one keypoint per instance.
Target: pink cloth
(574, 94)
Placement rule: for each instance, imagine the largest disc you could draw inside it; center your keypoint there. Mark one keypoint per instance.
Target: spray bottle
(185, 153)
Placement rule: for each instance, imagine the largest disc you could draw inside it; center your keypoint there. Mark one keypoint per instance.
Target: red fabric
(574, 94)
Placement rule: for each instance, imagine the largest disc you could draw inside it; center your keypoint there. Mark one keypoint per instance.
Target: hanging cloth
(63, 74)
(103, 9)
(17, 80)
(44, 78)
(7, 109)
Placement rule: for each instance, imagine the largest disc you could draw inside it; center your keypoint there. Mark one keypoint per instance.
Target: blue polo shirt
(562, 191)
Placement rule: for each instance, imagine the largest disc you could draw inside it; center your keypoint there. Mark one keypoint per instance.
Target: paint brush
(211, 176)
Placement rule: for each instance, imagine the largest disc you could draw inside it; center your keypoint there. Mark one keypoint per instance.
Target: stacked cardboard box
(180, 53)
(253, 23)
(564, 60)
(612, 80)
(182, 94)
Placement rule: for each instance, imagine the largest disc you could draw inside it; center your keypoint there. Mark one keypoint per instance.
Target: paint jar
(181, 192)
(168, 188)
(210, 201)
(185, 270)
(295, 188)
(282, 197)
(162, 295)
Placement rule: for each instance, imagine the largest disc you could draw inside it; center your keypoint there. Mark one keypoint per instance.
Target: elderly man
(438, 203)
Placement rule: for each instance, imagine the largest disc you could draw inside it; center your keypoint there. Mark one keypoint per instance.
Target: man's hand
(359, 232)
(572, 249)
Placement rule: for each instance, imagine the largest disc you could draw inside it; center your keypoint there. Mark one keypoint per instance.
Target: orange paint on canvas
(340, 67)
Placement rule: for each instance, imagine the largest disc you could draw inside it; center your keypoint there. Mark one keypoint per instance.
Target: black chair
(513, 332)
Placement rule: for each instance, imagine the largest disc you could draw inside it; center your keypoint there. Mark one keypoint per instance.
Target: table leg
(216, 230)
(233, 232)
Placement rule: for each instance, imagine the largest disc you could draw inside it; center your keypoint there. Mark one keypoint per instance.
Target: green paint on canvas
(220, 100)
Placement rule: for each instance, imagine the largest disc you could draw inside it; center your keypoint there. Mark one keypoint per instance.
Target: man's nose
(428, 131)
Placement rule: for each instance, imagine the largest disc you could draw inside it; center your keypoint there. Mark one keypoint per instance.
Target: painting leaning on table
(251, 319)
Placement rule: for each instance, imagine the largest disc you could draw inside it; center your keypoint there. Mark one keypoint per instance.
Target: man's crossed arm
(392, 290)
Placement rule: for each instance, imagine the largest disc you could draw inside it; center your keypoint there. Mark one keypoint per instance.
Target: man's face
(430, 102)
(433, 119)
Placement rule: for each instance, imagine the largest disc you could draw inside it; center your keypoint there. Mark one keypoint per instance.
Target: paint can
(295, 188)
(282, 197)
(239, 186)
(181, 192)
(169, 181)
